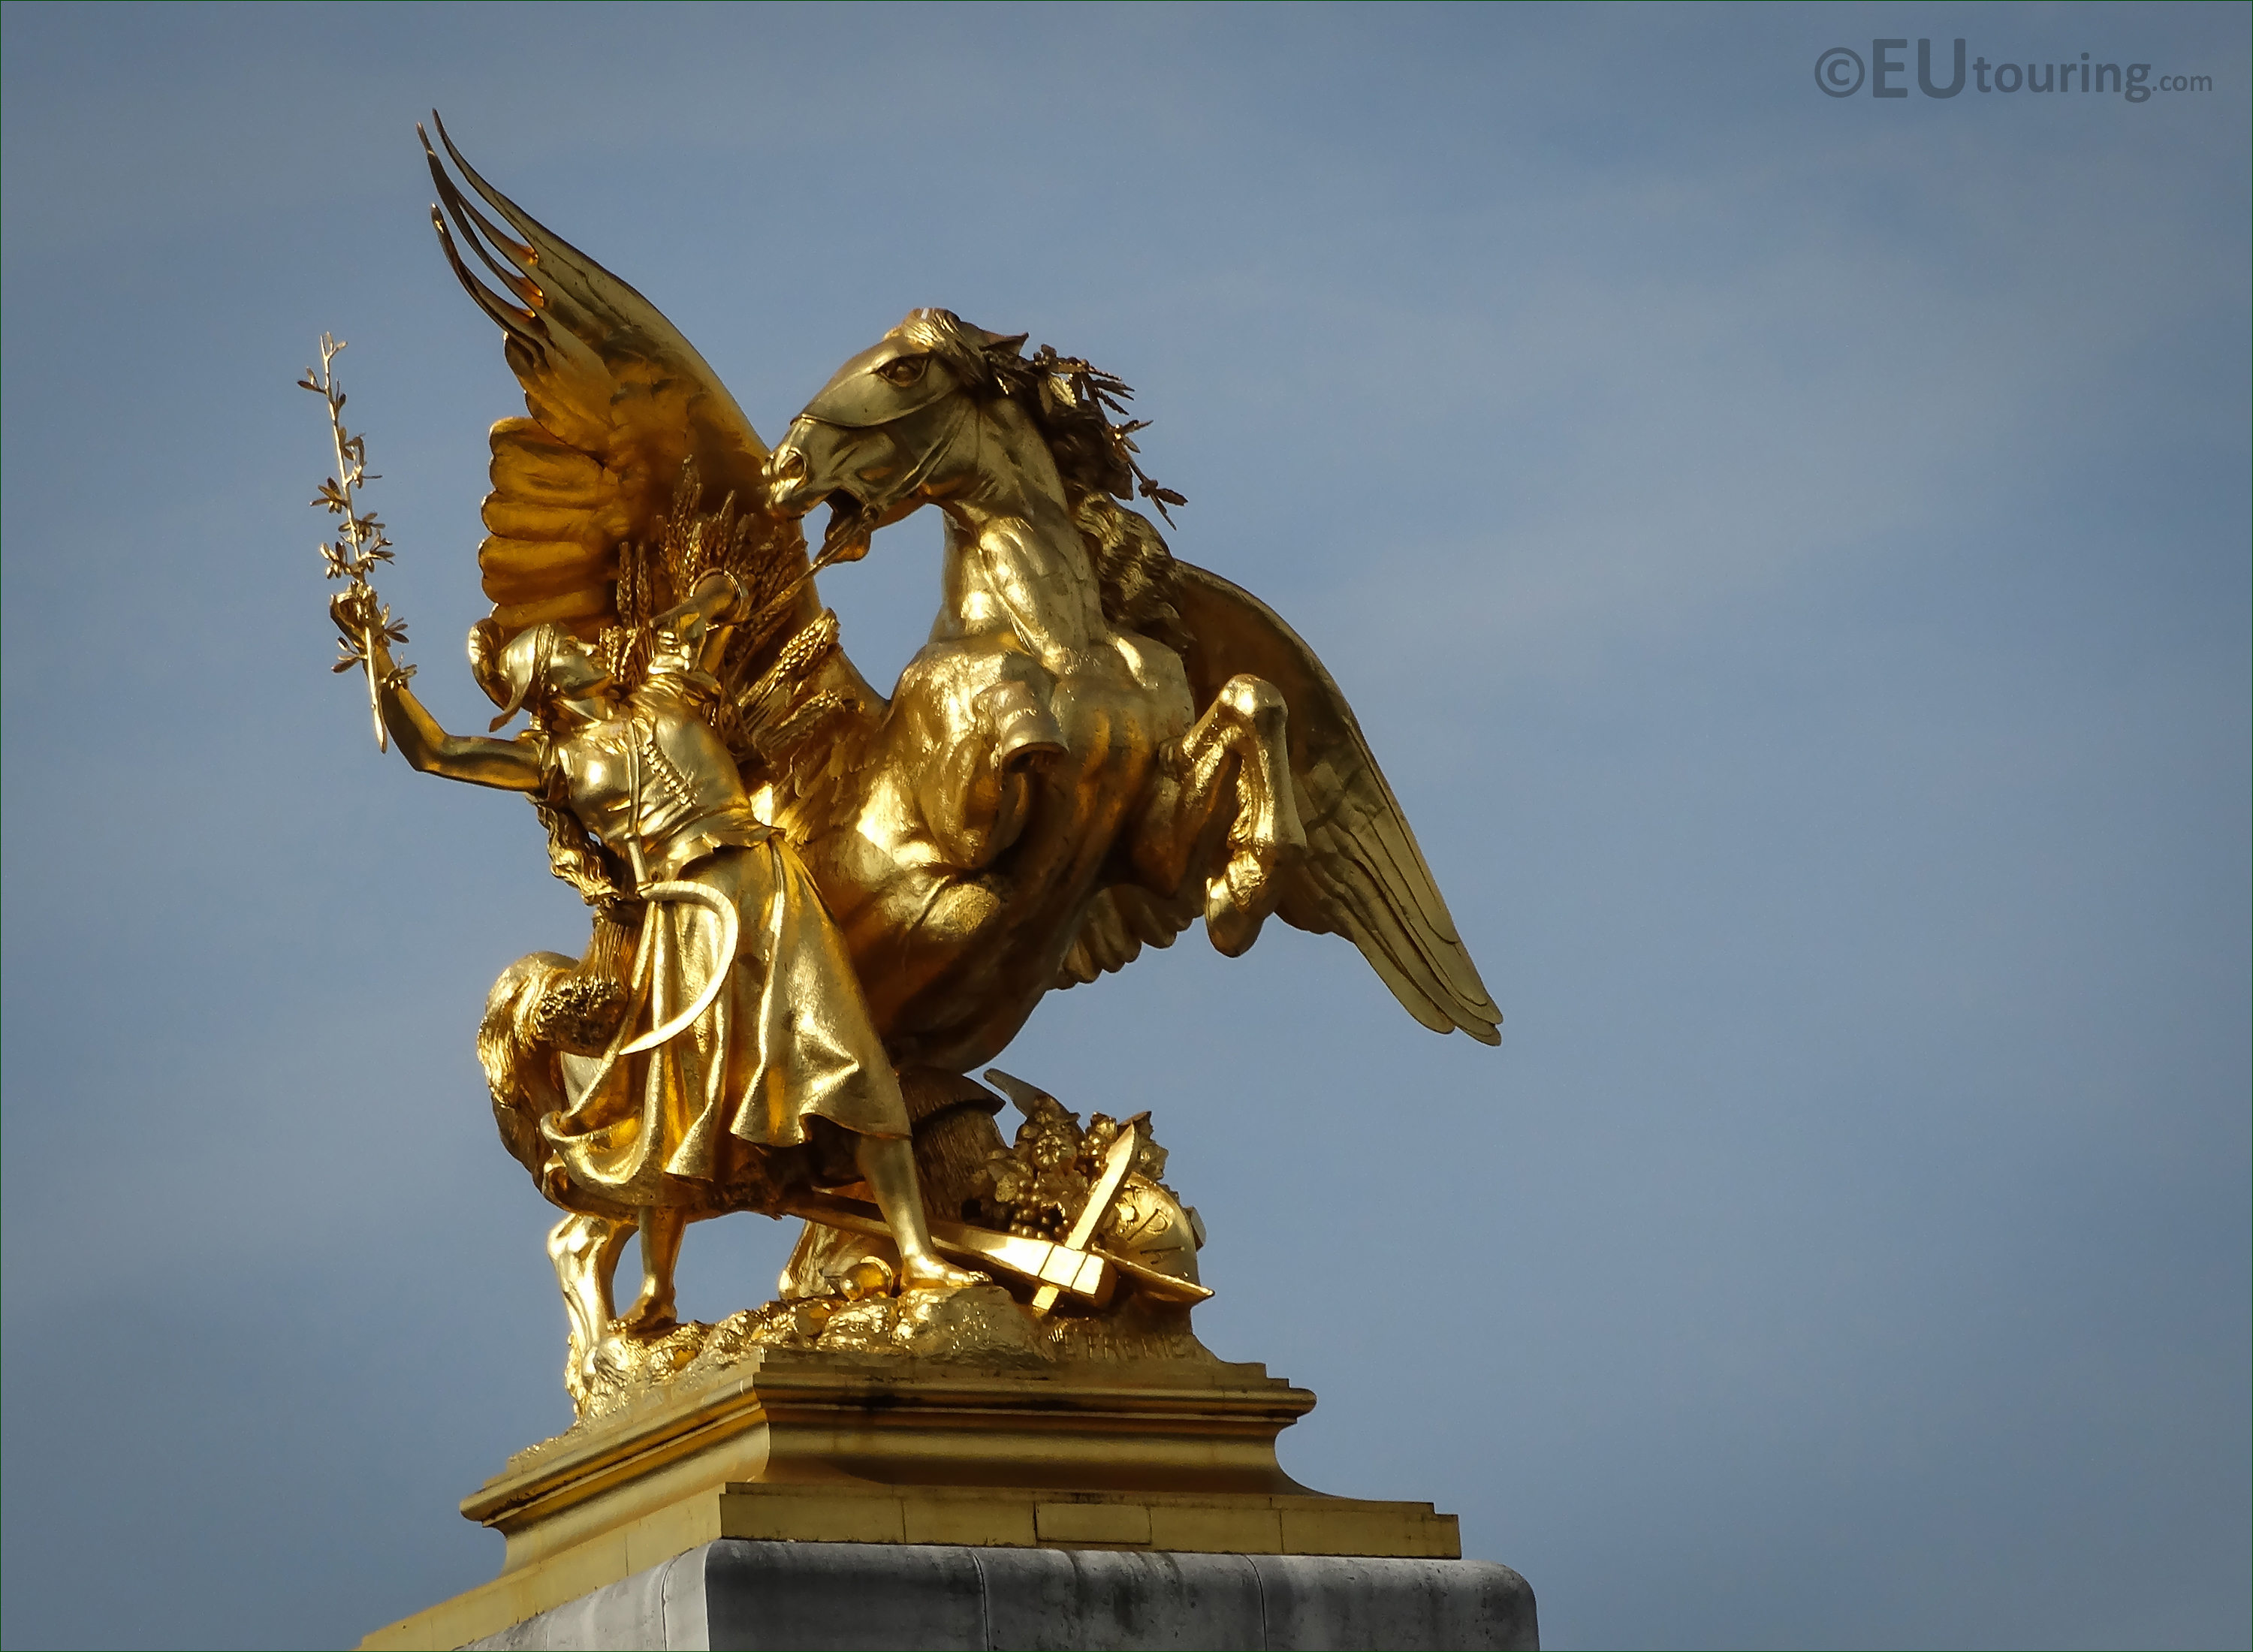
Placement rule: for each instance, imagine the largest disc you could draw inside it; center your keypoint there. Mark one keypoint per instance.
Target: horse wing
(618, 400)
(1118, 923)
(1363, 875)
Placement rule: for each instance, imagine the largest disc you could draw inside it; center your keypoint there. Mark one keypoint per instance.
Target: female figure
(746, 1058)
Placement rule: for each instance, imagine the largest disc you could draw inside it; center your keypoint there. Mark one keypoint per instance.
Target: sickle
(730, 929)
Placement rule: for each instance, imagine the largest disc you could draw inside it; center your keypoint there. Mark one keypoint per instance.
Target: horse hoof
(1025, 732)
(1237, 902)
(1230, 927)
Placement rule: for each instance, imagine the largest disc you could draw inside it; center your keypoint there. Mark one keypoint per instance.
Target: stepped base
(749, 1595)
(794, 1453)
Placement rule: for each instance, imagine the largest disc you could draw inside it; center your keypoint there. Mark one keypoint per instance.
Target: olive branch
(361, 543)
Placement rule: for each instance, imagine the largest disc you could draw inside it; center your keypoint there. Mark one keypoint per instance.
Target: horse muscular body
(1033, 752)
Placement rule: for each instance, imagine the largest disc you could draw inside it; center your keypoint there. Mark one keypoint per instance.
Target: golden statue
(817, 909)
(750, 1034)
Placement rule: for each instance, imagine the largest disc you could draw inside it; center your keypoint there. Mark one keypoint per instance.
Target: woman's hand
(718, 599)
(357, 612)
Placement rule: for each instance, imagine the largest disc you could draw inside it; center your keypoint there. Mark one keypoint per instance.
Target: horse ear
(1002, 344)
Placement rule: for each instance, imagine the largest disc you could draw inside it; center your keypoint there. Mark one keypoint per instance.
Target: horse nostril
(790, 465)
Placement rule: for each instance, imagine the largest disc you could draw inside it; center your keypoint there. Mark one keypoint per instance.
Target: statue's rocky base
(738, 1592)
(811, 1451)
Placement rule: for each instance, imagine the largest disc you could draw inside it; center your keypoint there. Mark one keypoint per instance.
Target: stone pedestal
(1153, 1483)
(738, 1594)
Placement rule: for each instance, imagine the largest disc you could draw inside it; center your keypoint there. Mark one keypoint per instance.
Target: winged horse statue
(1099, 744)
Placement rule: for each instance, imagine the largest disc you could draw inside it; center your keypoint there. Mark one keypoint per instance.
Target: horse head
(887, 434)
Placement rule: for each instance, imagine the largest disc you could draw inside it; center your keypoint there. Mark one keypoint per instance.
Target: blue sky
(1789, 553)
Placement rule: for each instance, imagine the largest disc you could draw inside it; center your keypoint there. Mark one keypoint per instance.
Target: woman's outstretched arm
(431, 749)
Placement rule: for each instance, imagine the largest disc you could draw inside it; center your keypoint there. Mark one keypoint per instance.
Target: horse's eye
(904, 370)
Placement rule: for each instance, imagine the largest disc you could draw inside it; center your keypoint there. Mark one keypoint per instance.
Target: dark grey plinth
(826, 1597)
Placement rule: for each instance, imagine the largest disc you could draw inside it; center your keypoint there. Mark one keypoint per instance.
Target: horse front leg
(585, 1251)
(982, 738)
(1238, 751)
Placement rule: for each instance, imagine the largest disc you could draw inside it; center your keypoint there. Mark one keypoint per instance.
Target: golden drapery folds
(785, 1039)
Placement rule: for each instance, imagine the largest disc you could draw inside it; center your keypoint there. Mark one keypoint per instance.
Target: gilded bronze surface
(816, 910)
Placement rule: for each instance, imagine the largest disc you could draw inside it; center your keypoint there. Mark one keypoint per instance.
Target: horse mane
(1071, 403)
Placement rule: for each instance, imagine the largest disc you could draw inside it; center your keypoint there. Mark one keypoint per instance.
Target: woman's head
(532, 669)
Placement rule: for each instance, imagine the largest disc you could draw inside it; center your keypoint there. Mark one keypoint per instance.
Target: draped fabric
(691, 1122)
(718, 1116)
